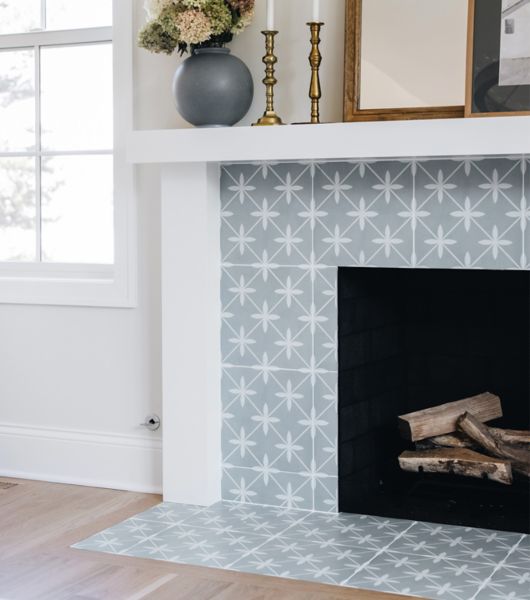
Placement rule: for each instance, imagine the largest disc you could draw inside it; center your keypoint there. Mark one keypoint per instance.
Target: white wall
(76, 382)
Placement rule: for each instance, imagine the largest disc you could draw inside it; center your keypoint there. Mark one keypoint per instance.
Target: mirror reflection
(427, 65)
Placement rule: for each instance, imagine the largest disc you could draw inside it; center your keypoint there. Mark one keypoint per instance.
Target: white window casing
(113, 285)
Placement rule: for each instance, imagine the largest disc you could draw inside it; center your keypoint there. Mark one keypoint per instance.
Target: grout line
(256, 368)
(499, 566)
(313, 334)
(275, 505)
(524, 175)
(369, 160)
(308, 511)
(378, 553)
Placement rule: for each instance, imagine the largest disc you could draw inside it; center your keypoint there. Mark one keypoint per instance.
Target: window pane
(72, 14)
(17, 100)
(17, 209)
(77, 209)
(77, 97)
(19, 16)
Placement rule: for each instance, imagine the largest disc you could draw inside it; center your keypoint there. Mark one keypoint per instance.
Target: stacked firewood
(453, 438)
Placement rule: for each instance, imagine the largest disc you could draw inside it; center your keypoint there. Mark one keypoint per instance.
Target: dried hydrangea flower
(168, 20)
(183, 23)
(153, 38)
(194, 26)
(220, 16)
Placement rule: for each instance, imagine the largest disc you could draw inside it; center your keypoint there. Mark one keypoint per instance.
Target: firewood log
(441, 420)
(512, 436)
(481, 434)
(449, 440)
(459, 439)
(458, 461)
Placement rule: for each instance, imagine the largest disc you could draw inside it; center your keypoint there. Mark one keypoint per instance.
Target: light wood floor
(39, 522)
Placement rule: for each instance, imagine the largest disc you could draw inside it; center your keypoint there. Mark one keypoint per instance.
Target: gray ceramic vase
(212, 88)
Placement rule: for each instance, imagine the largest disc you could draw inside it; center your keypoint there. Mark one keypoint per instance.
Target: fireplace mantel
(334, 141)
(191, 258)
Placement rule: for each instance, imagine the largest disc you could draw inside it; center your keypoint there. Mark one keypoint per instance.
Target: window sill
(65, 285)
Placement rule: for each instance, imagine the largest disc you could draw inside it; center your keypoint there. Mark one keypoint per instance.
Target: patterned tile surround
(285, 230)
(429, 561)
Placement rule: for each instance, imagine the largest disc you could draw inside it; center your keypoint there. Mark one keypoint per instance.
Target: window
(62, 220)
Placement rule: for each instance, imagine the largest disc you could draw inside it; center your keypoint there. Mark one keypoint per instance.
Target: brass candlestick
(269, 116)
(315, 60)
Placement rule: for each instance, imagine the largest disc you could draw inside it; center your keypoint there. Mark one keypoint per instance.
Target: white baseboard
(121, 462)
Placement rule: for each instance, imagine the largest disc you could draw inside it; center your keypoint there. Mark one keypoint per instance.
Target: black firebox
(411, 339)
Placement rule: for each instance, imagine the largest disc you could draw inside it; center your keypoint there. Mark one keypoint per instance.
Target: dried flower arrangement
(189, 24)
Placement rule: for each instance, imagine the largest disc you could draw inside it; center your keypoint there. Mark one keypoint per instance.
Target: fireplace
(411, 339)
(289, 232)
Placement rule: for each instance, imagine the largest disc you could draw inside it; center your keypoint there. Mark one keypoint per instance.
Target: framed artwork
(422, 76)
(498, 62)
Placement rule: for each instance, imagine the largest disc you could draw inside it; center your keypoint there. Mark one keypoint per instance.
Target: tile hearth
(357, 551)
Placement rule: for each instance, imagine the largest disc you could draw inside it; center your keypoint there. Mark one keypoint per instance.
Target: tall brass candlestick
(315, 60)
(269, 116)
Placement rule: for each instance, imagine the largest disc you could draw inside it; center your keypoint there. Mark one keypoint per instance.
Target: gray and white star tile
(169, 513)
(391, 572)
(459, 543)
(286, 228)
(304, 559)
(507, 583)
(452, 563)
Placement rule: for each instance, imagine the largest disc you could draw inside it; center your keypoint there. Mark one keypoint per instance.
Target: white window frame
(79, 284)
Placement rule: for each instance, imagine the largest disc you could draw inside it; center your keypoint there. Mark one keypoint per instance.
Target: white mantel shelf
(390, 139)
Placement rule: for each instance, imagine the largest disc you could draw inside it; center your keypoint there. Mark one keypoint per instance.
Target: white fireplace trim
(191, 255)
(191, 323)
(493, 136)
